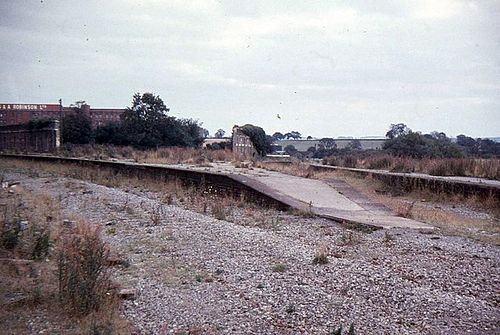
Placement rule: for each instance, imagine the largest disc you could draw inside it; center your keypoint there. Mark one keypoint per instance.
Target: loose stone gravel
(199, 274)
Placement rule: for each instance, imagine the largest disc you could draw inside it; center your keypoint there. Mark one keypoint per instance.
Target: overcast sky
(323, 68)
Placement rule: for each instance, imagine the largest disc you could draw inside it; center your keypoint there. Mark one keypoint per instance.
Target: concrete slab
(328, 202)
(310, 191)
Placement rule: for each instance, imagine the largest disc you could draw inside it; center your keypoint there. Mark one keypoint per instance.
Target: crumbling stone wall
(242, 145)
(24, 138)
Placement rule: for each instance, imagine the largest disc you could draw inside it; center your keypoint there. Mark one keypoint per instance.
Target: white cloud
(369, 62)
(442, 9)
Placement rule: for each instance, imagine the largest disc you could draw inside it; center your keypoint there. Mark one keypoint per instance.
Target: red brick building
(14, 113)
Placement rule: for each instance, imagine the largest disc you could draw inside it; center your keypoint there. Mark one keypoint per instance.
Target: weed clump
(219, 211)
(42, 245)
(280, 267)
(10, 238)
(321, 257)
(339, 331)
(82, 271)
(388, 238)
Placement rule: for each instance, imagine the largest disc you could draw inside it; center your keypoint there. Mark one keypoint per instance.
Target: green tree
(396, 130)
(111, 133)
(76, 128)
(328, 143)
(417, 145)
(355, 145)
(293, 134)
(260, 140)
(143, 121)
(277, 136)
(220, 133)
(147, 124)
(290, 150)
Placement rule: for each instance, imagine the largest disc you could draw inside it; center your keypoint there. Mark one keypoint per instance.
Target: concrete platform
(333, 199)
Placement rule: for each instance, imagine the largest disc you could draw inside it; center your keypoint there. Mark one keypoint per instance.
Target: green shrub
(10, 238)
(339, 331)
(42, 245)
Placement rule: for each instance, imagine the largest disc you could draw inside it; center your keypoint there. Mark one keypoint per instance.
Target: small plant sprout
(280, 267)
(321, 257)
(388, 238)
(156, 215)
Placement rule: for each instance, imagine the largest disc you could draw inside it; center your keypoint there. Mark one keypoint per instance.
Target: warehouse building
(15, 113)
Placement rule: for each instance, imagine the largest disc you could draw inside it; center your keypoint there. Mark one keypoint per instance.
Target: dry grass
(84, 285)
(453, 214)
(206, 200)
(170, 155)
(29, 271)
(466, 167)
(295, 168)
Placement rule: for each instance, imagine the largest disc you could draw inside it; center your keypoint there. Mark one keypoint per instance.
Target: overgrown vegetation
(434, 154)
(164, 155)
(77, 128)
(201, 198)
(146, 124)
(409, 151)
(406, 143)
(260, 140)
(466, 167)
(50, 262)
(82, 271)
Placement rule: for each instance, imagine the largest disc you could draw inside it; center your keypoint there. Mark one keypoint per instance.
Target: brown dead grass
(467, 167)
(295, 168)
(167, 155)
(439, 210)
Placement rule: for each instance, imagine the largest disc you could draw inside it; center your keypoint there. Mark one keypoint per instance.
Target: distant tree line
(146, 124)
(402, 141)
(295, 135)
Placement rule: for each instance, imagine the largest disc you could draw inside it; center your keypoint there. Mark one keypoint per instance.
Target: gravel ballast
(194, 273)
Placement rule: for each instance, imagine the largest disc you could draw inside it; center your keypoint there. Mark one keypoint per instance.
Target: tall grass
(162, 155)
(465, 167)
(82, 271)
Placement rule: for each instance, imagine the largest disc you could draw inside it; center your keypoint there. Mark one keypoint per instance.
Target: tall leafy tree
(220, 133)
(144, 120)
(111, 133)
(396, 130)
(76, 128)
(278, 136)
(293, 134)
(147, 124)
(328, 143)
